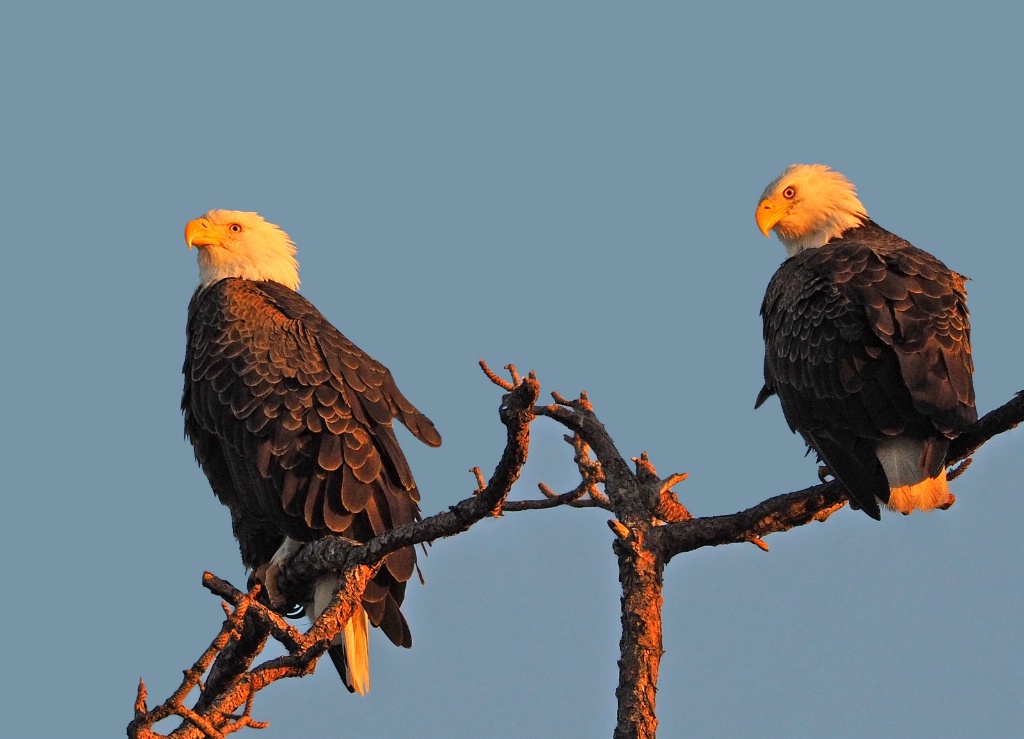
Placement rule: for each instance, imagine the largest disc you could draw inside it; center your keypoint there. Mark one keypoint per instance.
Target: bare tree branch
(573, 499)
(637, 501)
(817, 503)
(1004, 418)
(650, 527)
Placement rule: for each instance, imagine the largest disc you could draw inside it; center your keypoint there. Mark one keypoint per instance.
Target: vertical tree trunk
(640, 648)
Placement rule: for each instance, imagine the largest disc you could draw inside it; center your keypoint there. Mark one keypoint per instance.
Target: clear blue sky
(566, 186)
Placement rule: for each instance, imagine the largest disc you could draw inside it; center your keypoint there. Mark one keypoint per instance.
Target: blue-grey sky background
(566, 186)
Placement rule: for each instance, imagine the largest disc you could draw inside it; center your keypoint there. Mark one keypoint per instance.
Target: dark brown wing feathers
(292, 424)
(868, 337)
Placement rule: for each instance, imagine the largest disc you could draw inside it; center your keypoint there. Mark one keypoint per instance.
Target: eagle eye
(789, 193)
(235, 228)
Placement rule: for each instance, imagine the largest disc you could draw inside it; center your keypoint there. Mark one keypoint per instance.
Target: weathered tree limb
(637, 501)
(993, 423)
(574, 499)
(651, 526)
(817, 503)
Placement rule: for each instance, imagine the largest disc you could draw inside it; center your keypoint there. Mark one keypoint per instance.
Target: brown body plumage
(867, 344)
(291, 422)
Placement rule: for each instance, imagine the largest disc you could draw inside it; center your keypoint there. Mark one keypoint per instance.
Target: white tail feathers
(924, 496)
(910, 488)
(355, 638)
(357, 651)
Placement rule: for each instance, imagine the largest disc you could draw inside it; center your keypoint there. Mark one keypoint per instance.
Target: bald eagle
(867, 344)
(292, 423)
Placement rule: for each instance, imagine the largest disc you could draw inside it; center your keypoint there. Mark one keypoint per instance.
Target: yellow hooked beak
(199, 233)
(767, 215)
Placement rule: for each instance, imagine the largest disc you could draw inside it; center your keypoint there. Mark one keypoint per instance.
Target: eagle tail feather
(357, 652)
(916, 474)
(931, 492)
(350, 652)
(337, 655)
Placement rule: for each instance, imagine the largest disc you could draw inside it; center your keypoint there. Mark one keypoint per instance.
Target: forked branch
(650, 526)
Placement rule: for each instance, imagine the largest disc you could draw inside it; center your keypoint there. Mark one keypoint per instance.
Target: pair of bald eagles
(867, 345)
